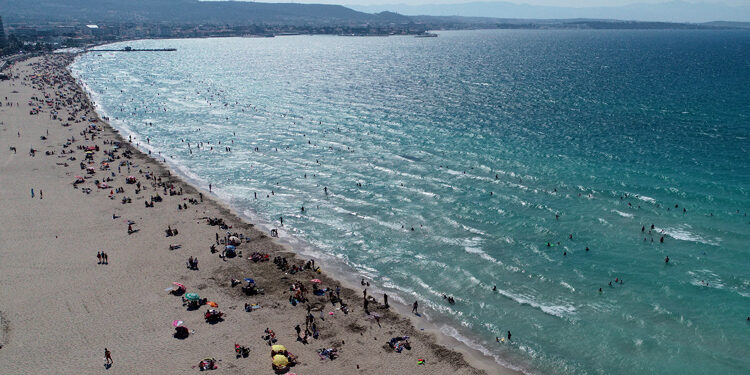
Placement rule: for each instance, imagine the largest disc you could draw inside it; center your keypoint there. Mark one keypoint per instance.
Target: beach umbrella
(192, 297)
(278, 348)
(230, 247)
(212, 304)
(234, 239)
(316, 281)
(280, 360)
(179, 285)
(249, 280)
(177, 323)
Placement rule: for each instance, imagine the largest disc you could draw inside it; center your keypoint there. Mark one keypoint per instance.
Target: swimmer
(666, 260)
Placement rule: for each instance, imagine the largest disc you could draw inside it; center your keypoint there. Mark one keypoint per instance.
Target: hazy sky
(565, 3)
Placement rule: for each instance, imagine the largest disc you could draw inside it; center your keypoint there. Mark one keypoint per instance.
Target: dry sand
(59, 309)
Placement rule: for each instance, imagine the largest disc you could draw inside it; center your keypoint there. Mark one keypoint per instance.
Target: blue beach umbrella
(249, 280)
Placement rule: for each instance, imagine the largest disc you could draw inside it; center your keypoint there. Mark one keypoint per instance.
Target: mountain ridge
(673, 11)
(189, 11)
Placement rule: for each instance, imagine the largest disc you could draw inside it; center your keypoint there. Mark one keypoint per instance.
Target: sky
(564, 3)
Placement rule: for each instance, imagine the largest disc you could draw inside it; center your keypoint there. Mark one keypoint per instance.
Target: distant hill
(188, 12)
(674, 11)
(241, 13)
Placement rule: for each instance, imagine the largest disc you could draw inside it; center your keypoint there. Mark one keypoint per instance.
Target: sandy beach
(61, 306)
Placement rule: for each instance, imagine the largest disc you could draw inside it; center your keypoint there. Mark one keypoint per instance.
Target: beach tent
(192, 297)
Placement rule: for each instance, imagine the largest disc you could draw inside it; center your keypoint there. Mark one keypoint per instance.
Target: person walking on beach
(99, 257)
(414, 307)
(107, 357)
(32, 192)
(105, 257)
(41, 196)
(385, 300)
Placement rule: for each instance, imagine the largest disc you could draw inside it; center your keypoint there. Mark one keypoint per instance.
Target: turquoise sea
(489, 144)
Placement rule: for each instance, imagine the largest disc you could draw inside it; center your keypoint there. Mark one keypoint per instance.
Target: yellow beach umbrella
(280, 360)
(278, 348)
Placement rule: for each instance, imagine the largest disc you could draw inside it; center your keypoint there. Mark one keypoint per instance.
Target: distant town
(53, 35)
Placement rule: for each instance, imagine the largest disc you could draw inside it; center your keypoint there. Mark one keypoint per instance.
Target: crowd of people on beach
(112, 164)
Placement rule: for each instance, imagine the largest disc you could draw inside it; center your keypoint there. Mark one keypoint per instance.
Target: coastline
(490, 364)
(148, 340)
